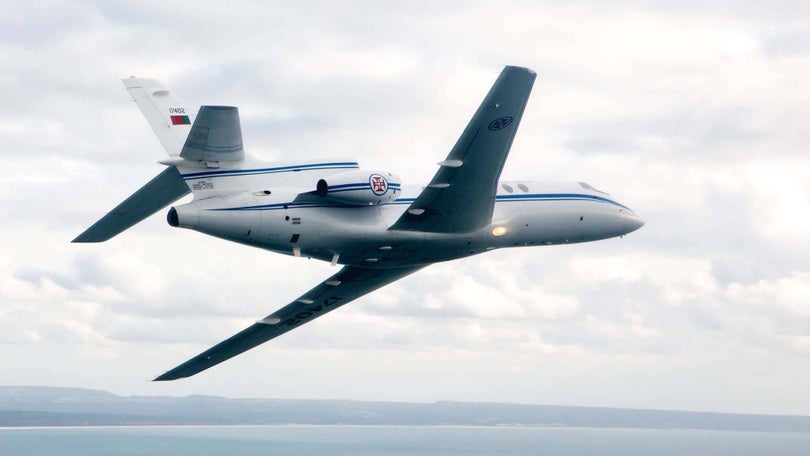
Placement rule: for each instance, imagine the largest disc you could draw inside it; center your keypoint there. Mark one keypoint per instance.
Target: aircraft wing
(348, 284)
(461, 196)
(166, 188)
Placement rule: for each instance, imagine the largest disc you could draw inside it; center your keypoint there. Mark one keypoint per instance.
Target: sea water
(391, 441)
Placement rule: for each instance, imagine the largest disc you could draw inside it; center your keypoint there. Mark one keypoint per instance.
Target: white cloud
(679, 279)
(692, 115)
(501, 298)
(800, 343)
(790, 294)
(325, 62)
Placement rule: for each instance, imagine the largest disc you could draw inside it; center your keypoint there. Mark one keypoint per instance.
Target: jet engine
(360, 187)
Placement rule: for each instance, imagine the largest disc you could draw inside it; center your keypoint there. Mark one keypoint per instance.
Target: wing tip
(528, 70)
(165, 378)
(514, 69)
(87, 239)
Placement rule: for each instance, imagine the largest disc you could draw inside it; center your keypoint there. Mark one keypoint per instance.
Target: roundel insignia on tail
(379, 185)
(499, 123)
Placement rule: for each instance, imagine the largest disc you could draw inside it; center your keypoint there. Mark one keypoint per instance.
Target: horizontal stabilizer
(166, 188)
(215, 136)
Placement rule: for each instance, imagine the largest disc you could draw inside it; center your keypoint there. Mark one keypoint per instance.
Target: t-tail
(201, 139)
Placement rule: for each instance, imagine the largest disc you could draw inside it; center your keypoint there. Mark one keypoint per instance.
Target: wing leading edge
(348, 284)
(166, 188)
(461, 196)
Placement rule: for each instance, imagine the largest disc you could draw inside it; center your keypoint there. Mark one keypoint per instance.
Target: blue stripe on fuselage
(279, 169)
(558, 197)
(498, 198)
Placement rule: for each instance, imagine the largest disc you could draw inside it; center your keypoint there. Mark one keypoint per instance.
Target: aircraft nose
(632, 222)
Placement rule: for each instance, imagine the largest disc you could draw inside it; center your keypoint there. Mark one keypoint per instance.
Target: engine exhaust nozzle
(185, 216)
(171, 217)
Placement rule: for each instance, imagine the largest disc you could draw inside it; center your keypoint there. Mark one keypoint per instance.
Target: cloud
(678, 279)
(692, 114)
(786, 295)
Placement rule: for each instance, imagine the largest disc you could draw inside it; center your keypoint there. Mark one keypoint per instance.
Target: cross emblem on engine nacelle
(379, 185)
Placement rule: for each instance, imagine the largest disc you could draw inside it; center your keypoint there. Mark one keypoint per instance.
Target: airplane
(330, 209)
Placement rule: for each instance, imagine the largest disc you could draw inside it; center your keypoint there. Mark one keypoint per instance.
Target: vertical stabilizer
(168, 115)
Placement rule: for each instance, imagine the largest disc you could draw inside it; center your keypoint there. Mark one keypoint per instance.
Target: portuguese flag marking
(180, 120)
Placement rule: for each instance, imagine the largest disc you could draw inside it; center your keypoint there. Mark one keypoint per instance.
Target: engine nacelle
(360, 187)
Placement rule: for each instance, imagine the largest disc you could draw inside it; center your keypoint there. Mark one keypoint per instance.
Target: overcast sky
(693, 115)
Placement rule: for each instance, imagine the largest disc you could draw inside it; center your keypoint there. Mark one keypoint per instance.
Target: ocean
(391, 441)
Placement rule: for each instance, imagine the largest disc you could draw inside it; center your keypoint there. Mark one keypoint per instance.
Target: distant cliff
(46, 406)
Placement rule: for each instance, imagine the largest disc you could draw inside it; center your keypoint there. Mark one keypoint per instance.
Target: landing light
(499, 231)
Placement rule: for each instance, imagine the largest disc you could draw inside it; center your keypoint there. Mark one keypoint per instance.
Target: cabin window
(508, 188)
(524, 188)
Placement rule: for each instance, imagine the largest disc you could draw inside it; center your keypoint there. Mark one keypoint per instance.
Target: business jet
(365, 220)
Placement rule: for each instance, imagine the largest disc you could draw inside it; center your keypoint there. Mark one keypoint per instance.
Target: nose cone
(632, 222)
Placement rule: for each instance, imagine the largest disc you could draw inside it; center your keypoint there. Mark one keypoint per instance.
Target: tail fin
(215, 136)
(168, 115)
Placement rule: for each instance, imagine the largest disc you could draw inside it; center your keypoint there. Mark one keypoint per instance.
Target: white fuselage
(332, 210)
(259, 204)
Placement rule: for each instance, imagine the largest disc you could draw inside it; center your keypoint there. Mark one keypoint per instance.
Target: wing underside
(461, 196)
(348, 284)
(166, 188)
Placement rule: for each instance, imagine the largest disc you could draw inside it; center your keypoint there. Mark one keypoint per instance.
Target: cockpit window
(508, 188)
(588, 187)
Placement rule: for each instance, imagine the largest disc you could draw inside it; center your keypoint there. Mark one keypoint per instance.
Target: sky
(693, 114)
